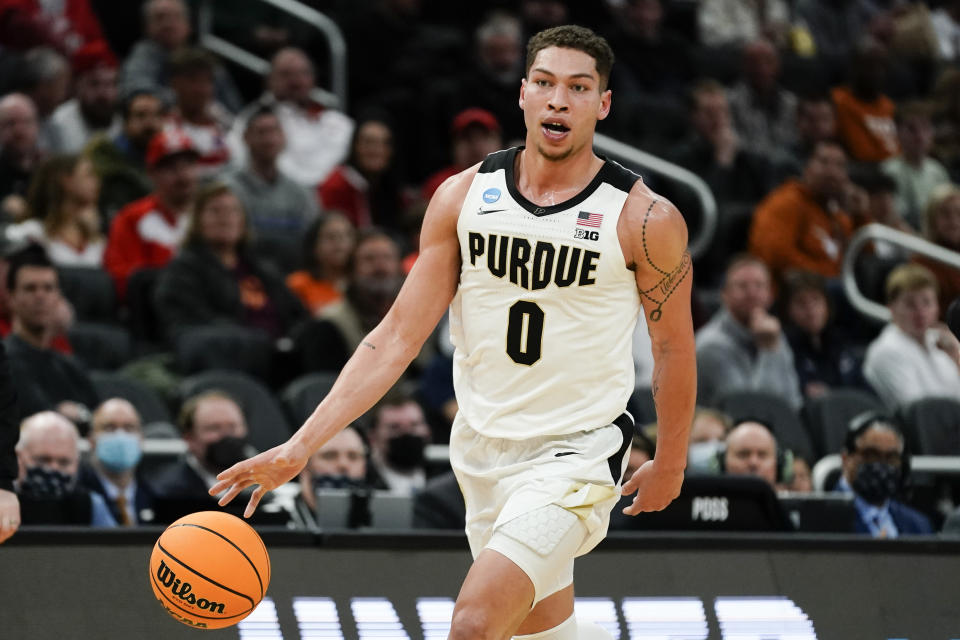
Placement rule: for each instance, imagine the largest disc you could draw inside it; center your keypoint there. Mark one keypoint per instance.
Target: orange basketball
(209, 570)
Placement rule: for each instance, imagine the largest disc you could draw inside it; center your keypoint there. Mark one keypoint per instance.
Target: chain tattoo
(659, 293)
(367, 344)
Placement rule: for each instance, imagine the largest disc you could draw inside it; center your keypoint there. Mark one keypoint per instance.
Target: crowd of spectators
(243, 222)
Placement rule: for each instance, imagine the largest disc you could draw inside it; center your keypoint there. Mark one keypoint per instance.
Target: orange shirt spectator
(798, 225)
(867, 129)
(327, 250)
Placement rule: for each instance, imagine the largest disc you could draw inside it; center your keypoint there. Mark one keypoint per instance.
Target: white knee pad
(542, 543)
(566, 630)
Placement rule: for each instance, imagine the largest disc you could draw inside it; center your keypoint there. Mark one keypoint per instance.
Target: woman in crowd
(367, 189)
(62, 205)
(942, 226)
(327, 247)
(216, 280)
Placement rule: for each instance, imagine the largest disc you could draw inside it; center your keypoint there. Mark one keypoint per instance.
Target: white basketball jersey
(544, 315)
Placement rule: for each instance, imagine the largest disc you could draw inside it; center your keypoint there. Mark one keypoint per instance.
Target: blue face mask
(118, 451)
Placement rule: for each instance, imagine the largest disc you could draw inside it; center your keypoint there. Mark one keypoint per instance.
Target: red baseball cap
(91, 56)
(169, 142)
(474, 116)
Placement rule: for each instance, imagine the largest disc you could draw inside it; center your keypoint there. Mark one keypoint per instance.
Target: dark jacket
(9, 425)
(123, 176)
(909, 521)
(143, 497)
(196, 289)
(835, 363)
(62, 378)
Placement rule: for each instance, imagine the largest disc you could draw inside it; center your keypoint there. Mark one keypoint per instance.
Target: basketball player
(544, 255)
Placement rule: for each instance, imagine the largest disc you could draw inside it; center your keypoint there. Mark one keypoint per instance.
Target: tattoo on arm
(367, 344)
(659, 293)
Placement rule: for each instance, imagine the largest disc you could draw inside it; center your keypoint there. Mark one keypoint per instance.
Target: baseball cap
(474, 116)
(168, 143)
(91, 56)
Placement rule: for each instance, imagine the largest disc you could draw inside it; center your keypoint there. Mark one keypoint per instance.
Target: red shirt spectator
(25, 24)
(146, 232)
(475, 134)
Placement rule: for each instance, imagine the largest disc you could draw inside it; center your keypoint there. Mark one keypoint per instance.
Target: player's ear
(523, 88)
(604, 109)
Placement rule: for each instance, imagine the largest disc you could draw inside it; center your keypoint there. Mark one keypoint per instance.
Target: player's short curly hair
(574, 37)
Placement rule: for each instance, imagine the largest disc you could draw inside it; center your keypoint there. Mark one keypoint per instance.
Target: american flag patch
(585, 219)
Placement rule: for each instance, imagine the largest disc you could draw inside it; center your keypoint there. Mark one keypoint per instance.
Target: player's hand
(655, 487)
(9, 514)
(269, 470)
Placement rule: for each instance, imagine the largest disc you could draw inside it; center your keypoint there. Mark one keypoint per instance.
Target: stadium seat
(773, 410)
(827, 417)
(267, 426)
(90, 292)
(302, 396)
(141, 318)
(149, 404)
(932, 426)
(225, 347)
(100, 346)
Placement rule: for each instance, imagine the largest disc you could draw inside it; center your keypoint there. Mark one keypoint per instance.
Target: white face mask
(702, 456)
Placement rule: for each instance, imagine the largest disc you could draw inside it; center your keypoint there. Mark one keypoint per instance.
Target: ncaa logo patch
(491, 195)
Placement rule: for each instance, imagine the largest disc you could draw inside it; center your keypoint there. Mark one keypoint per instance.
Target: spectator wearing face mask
(873, 471)
(116, 438)
(339, 464)
(49, 458)
(707, 433)
(214, 429)
(398, 438)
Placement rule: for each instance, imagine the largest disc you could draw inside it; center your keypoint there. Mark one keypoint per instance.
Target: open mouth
(555, 130)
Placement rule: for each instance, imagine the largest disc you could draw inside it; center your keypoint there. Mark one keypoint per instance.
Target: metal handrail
(887, 234)
(336, 47)
(700, 241)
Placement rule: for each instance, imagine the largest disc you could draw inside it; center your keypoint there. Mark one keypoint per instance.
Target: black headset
(859, 425)
(784, 456)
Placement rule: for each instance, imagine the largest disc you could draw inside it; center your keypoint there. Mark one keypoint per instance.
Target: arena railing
(702, 234)
(332, 36)
(883, 233)
(935, 465)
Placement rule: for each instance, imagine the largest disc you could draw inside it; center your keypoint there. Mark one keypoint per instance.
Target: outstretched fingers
(254, 501)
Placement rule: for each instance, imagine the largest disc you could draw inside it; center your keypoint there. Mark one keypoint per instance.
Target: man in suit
(116, 439)
(873, 471)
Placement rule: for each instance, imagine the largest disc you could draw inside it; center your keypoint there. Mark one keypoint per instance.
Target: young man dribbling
(544, 255)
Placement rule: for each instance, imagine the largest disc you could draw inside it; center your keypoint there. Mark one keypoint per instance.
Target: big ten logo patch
(585, 234)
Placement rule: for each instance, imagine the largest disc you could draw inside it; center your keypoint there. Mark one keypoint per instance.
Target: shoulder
(653, 228)
(136, 209)
(909, 519)
(447, 200)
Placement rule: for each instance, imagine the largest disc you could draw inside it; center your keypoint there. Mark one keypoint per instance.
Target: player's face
(562, 101)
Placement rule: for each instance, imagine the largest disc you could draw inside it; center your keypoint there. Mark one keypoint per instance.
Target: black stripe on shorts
(625, 423)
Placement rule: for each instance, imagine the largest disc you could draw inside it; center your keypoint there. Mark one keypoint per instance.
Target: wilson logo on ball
(183, 590)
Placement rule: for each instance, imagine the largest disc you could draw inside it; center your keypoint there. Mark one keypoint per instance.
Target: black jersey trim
(611, 173)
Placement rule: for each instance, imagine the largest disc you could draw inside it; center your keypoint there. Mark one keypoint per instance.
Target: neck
(195, 116)
(266, 169)
(226, 254)
(545, 181)
(121, 480)
(334, 273)
(95, 120)
(173, 206)
(36, 336)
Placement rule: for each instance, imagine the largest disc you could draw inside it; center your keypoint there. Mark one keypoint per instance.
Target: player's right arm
(382, 356)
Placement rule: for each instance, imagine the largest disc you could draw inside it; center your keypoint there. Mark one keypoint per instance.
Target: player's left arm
(653, 236)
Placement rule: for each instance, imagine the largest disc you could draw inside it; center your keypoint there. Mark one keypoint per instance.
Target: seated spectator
(276, 206)
(166, 29)
(339, 464)
(802, 481)
(318, 137)
(823, 354)
(373, 283)
(864, 114)
(941, 225)
(751, 450)
(195, 113)
(120, 160)
(215, 280)
(475, 134)
(44, 77)
(93, 108)
(764, 113)
(146, 233)
(816, 122)
(327, 250)
(715, 153)
(65, 26)
(742, 346)
(803, 223)
(737, 22)
(34, 301)
(836, 26)
(19, 153)
(914, 356)
(367, 188)
(49, 456)
(61, 318)
(707, 434)
(116, 438)
(916, 173)
(62, 205)
(398, 436)
(213, 426)
(874, 472)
